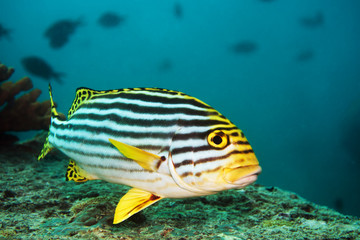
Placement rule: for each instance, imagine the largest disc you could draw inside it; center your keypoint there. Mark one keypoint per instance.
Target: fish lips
(241, 176)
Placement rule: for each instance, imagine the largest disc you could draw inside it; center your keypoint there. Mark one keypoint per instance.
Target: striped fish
(163, 143)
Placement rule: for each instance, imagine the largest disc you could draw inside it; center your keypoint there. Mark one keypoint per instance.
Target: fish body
(110, 20)
(4, 32)
(178, 10)
(40, 68)
(244, 47)
(313, 21)
(59, 32)
(163, 143)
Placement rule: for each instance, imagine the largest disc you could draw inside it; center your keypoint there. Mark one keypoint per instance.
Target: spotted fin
(147, 160)
(83, 95)
(132, 202)
(75, 173)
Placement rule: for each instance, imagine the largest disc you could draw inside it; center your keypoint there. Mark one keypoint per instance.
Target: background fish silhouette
(40, 68)
(110, 20)
(60, 32)
(4, 32)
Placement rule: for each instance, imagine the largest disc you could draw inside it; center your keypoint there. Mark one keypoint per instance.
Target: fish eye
(218, 139)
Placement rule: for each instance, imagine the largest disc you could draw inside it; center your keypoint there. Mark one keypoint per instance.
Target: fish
(4, 32)
(165, 65)
(244, 47)
(313, 21)
(162, 143)
(305, 55)
(110, 20)
(40, 68)
(59, 32)
(178, 10)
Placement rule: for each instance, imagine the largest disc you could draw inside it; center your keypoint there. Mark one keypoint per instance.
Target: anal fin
(132, 202)
(75, 173)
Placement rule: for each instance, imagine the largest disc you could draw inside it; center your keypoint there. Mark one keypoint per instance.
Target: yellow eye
(218, 139)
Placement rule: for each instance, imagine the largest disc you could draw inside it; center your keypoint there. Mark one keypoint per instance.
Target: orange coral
(22, 113)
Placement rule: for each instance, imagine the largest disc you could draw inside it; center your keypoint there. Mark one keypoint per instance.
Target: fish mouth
(241, 176)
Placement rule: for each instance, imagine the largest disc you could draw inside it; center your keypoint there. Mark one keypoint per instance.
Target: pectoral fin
(147, 160)
(132, 202)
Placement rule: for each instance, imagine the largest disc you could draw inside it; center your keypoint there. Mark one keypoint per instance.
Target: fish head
(228, 163)
(242, 166)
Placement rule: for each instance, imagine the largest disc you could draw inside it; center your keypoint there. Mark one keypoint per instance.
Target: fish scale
(163, 143)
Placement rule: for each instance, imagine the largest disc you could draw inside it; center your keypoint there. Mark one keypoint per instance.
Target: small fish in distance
(165, 65)
(162, 143)
(305, 56)
(178, 11)
(110, 20)
(244, 47)
(313, 21)
(4, 32)
(40, 68)
(59, 32)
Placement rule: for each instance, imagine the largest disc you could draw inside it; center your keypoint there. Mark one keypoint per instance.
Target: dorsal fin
(84, 94)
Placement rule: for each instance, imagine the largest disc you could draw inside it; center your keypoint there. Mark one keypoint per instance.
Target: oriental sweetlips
(163, 143)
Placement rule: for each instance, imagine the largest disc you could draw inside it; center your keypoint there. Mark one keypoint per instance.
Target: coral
(5, 72)
(22, 113)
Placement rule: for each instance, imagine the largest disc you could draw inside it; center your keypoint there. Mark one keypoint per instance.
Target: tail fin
(54, 114)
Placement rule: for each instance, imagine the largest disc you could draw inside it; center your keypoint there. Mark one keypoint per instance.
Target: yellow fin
(132, 202)
(75, 173)
(148, 161)
(46, 148)
(82, 95)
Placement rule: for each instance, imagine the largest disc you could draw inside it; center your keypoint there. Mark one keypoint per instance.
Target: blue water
(302, 117)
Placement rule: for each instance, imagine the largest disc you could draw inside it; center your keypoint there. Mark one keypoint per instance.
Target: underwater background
(285, 72)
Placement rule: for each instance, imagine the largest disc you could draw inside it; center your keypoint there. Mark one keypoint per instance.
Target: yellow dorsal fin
(132, 202)
(75, 173)
(148, 161)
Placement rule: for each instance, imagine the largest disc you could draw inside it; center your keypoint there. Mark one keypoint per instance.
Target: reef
(21, 113)
(48, 207)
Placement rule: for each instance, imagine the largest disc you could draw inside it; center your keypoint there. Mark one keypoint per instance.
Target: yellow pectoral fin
(148, 161)
(132, 202)
(75, 173)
